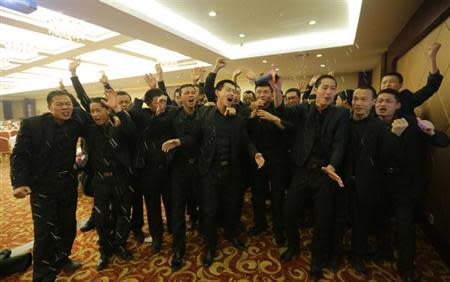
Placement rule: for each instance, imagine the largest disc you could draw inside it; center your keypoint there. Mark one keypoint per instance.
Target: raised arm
(210, 80)
(434, 79)
(161, 84)
(81, 94)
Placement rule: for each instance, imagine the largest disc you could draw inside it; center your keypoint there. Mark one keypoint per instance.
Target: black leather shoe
(139, 236)
(177, 261)
(68, 265)
(156, 246)
(102, 261)
(256, 230)
(237, 244)
(208, 258)
(88, 225)
(124, 253)
(359, 266)
(316, 273)
(289, 254)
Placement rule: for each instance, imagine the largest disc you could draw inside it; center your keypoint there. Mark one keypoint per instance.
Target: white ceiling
(379, 22)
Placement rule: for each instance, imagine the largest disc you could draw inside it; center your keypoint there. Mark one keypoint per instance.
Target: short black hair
(55, 93)
(297, 92)
(221, 83)
(396, 74)
(263, 84)
(391, 91)
(98, 100)
(347, 95)
(371, 89)
(322, 77)
(250, 92)
(123, 93)
(152, 93)
(186, 86)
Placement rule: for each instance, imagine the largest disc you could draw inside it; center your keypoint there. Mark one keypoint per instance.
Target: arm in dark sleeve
(433, 83)
(107, 86)
(162, 86)
(209, 87)
(439, 139)
(248, 146)
(21, 157)
(291, 114)
(339, 141)
(81, 94)
(127, 126)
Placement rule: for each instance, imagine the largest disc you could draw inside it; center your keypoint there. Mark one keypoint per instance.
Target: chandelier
(67, 28)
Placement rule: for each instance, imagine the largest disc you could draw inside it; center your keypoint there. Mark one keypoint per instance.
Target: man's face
(248, 98)
(326, 92)
(225, 96)
(188, 97)
(99, 114)
(177, 98)
(61, 107)
(201, 99)
(264, 93)
(237, 96)
(291, 99)
(386, 105)
(390, 81)
(362, 102)
(158, 101)
(124, 101)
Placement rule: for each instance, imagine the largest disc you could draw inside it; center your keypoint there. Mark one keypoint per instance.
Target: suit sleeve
(21, 157)
(127, 126)
(339, 141)
(81, 93)
(209, 87)
(433, 83)
(162, 87)
(249, 147)
(439, 139)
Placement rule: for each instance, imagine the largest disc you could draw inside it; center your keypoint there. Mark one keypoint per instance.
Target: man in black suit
(223, 136)
(404, 177)
(321, 136)
(409, 100)
(370, 146)
(42, 166)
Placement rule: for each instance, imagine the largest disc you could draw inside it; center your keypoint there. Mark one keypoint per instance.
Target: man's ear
(217, 92)
(398, 105)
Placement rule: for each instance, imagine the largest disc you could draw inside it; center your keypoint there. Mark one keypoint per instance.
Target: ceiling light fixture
(319, 55)
(312, 22)
(264, 61)
(241, 35)
(212, 14)
(322, 65)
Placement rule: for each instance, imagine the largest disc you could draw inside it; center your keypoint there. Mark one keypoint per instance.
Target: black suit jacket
(205, 134)
(31, 154)
(333, 133)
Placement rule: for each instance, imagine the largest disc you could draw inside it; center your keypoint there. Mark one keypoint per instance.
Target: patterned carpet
(259, 262)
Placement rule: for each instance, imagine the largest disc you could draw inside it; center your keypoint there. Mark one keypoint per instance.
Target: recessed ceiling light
(277, 69)
(264, 61)
(241, 35)
(322, 65)
(319, 55)
(212, 14)
(312, 22)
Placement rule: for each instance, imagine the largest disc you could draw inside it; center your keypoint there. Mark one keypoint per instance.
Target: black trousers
(364, 205)
(112, 196)
(155, 185)
(185, 182)
(274, 176)
(316, 184)
(341, 221)
(399, 201)
(53, 205)
(220, 191)
(137, 204)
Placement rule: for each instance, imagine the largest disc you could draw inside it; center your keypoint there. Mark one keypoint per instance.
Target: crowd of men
(356, 160)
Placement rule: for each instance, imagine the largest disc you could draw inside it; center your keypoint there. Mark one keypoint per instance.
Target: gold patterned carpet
(259, 262)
